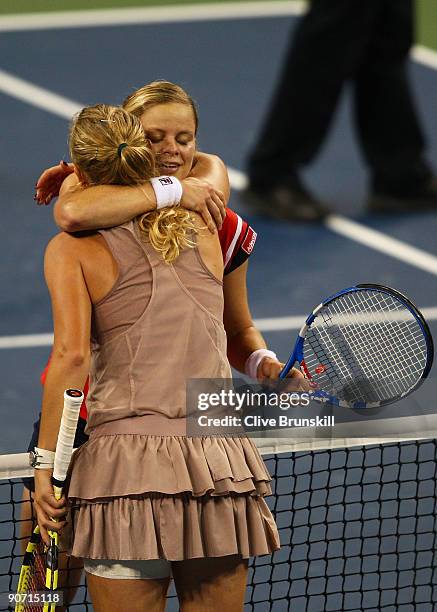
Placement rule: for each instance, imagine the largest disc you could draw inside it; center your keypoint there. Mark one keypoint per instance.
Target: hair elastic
(121, 147)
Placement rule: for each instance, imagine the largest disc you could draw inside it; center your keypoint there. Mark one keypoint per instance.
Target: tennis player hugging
(147, 501)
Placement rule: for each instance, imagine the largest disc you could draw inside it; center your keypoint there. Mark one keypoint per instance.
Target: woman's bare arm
(80, 208)
(243, 337)
(69, 366)
(109, 205)
(71, 308)
(211, 168)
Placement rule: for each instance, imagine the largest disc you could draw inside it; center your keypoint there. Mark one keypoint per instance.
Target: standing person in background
(367, 42)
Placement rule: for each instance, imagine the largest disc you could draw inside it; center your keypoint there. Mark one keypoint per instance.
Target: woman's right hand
(201, 197)
(50, 181)
(269, 369)
(47, 507)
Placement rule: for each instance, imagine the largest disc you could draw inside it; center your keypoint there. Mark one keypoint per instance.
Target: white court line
(154, 14)
(296, 322)
(29, 341)
(381, 242)
(173, 14)
(264, 325)
(425, 56)
(37, 96)
(358, 232)
(44, 99)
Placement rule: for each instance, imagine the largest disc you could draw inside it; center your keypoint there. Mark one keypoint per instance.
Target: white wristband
(42, 459)
(254, 359)
(168, 191)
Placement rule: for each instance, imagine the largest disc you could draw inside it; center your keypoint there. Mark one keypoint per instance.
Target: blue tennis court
(229, 65)
(93, 64)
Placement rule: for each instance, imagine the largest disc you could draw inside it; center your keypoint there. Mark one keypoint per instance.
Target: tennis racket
(39, 571)
(363, 347)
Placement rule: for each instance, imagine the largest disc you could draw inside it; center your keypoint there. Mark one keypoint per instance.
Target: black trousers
(366, 42)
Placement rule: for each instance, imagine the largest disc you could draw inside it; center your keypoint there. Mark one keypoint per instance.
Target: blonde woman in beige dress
(147, 501)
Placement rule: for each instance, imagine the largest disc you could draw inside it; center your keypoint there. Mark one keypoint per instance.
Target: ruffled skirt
(172, 497)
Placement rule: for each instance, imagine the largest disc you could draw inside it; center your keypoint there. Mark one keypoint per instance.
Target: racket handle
(73, 399)
(57, 491)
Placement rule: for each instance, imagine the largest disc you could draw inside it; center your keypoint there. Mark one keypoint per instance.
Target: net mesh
(365, 346)
(357, 526)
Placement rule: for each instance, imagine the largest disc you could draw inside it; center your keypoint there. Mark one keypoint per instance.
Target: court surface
(228, 61)
(229, 64)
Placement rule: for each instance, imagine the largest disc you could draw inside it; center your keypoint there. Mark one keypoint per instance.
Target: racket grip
(73, 399)
(57, 491)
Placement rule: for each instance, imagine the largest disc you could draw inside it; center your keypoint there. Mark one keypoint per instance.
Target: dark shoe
(424, 199)
(290, 201)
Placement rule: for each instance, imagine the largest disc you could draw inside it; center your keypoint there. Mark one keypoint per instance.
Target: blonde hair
(108, 146)
(169, 231)
(159, 92)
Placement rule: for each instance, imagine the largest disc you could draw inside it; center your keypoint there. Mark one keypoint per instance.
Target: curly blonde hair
(169, 231)
(108, 146)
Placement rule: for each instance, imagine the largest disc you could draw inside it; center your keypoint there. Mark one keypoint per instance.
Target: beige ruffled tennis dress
(140, 488)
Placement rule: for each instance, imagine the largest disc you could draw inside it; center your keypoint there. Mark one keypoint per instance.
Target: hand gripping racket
(363, 347)
(39, 571)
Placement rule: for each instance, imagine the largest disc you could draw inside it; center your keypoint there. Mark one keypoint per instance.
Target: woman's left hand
(50, 181)
(201, 197)
(269, 369)
(50, 512)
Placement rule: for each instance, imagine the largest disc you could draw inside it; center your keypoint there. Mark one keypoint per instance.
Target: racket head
(365, 346)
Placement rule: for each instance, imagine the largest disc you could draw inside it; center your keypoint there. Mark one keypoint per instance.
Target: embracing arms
(206, 191)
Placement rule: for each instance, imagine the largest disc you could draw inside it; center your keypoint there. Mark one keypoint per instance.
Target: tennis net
(357, 525)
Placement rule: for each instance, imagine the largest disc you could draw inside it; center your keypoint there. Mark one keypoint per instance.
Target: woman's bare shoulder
(201, 227)
(71, 244)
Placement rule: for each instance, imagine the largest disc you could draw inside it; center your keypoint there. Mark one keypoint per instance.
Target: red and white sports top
(237, 240)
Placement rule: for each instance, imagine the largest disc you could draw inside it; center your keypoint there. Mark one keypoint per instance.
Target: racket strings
(375, 363)
(370, 347)
(404, 339)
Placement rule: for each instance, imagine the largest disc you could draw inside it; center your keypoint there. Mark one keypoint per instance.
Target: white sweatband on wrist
(168, 191)
(42, 459)
(254, 359)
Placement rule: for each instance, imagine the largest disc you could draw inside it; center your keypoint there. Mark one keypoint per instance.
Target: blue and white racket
(364, 347)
